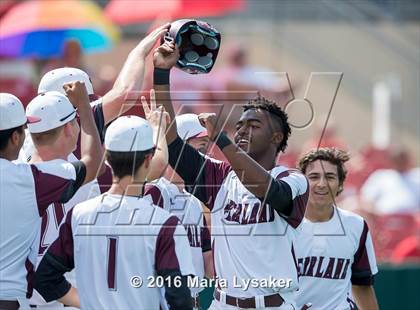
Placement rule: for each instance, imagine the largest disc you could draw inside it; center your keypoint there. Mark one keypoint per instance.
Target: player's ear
(276, 138)
(147, 161)
(15, 138)
(67, 129)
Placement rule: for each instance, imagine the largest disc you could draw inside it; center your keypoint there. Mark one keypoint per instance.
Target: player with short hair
(120, 236)
(168, 192)
(256, 205)
(55, 135)
(28, 189)
(335, 254)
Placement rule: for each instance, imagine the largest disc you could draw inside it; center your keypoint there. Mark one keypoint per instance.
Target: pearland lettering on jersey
(248, 213)
(323, 267)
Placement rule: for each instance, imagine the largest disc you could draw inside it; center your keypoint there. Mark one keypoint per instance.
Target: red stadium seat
(407, 251)
(389, 230)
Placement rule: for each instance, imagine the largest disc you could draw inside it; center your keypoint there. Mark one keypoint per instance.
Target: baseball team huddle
(102, 211)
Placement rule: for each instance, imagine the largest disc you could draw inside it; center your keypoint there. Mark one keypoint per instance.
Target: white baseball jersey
(251, 241)
(112, 239)
(190, 212)
(50, 223)
(55, 213)
(332, 256)
(25, 193)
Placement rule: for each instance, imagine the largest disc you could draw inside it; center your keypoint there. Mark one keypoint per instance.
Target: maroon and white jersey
(190, 212)
(114, 238)
(26, 192)
(332, 256)
(250, 239)
(50, 223)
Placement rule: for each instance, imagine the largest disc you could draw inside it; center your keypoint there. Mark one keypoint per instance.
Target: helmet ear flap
(198, 44)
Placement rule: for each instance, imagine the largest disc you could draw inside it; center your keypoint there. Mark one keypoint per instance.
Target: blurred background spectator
(394, 190)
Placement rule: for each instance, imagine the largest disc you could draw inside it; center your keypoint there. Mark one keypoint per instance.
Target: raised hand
(151, 39)
(166, 56)
(77, 93)
(209, 121)
(157, 116)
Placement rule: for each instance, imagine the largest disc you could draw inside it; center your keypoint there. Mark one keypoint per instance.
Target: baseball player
(120, 236)
(190, 130)
(256, 205)
(52, 142)
(49, 146)
(28, 189)
(334, 250)
(172, 196)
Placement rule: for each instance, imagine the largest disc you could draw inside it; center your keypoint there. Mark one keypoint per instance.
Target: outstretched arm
(131, 77)
(203, 173)
(91, 149)
(164, 59)
(278, 193)
(158, 120)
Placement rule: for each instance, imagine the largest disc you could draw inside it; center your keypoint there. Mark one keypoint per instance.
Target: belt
(274, 300)
(9, 304)
(196, 302)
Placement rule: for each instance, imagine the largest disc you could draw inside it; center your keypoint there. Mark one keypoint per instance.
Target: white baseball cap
(55, 79)
(48, 111)
(129, 134)
(188, 126)
(12, 113)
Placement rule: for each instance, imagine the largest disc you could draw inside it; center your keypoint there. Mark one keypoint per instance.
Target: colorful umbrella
(125, 12)
(39, 28)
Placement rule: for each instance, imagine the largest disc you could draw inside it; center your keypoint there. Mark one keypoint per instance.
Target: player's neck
(128, 185)
(9, 155)
(174, 178)
(266, 161)
(42, 154)
(317, 213)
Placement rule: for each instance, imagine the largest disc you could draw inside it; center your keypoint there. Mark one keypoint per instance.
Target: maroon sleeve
(298, 208)
(165, 255)
(214, 174)
(205, 237)
(155, 193)
(63, 246)
(361, 273)
(49, 278)
(202, 175)
(51, 188)
(98, 116)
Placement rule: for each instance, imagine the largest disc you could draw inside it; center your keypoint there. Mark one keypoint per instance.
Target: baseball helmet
(198, 44)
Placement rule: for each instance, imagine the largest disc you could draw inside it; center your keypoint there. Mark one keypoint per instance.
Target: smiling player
(256, 205)
(335, 253)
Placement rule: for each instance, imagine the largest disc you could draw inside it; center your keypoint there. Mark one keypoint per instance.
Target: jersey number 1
(112, 262)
